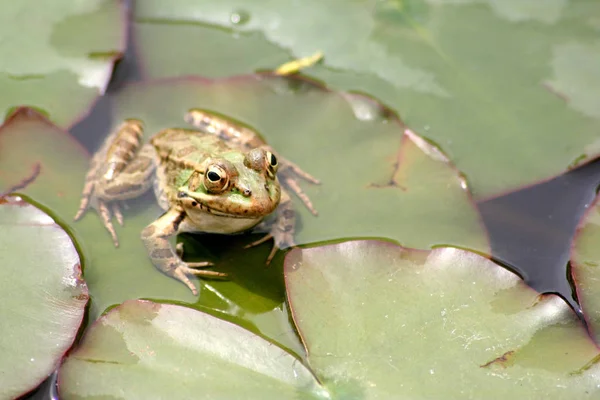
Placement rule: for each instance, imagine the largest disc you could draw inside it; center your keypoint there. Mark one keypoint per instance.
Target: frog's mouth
(213, 211)
(239, 209)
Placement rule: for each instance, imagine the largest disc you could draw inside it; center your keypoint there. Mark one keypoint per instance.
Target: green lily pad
(146, 350)
(381, 321)
(386, 198)
(64, 58)
(376, 181)
(585, 261)
(42, 299)
(506, 88)
(44, 163)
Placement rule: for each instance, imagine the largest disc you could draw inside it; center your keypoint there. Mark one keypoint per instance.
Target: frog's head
(233, 185)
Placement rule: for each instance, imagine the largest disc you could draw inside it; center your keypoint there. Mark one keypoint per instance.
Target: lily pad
(382, 321)
(374, 190)
(585, 261)
(376, 180)
(43, 296)
(506, 88)
(146, 350)
(44, 163)
(64, 59)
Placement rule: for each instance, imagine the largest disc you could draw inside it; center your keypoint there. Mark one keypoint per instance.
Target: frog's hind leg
(122, 169)
(228, 130)
(88, 188)
(118, 149)
(134, 180)
(288, 173)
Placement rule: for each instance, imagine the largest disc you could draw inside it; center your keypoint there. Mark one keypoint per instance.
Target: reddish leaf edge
(27, 115)
(576, 264)
(155, 305)
(30, 114)
(77, 276)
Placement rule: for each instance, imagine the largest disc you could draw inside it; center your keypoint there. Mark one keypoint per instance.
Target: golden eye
(215, 179)
(272, 159)
(272, 163)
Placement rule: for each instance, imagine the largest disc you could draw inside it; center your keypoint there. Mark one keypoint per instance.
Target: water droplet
(239, 17)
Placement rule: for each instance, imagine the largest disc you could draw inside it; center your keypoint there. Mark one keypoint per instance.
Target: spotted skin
(248, 139)
(220, 179)
(117, 173)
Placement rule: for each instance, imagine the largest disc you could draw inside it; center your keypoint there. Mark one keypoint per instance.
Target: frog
(218, 177)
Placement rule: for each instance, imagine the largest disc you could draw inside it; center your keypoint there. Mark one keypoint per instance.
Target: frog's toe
(199, 264)
(117, 213)
(272, 254)
(83, 206)
(180, 274)
(186, 269)
(259, 241)
(179, 249)
(106, 216)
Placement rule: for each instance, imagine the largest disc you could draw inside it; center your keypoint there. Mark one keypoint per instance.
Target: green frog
(219, 178)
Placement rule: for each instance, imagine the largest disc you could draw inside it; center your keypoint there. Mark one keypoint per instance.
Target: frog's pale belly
(211, 223)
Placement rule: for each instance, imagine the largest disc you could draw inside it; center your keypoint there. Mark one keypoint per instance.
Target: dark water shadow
(531, 230)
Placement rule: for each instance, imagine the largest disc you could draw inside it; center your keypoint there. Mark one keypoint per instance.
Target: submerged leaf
(147, 350)
(505, 87)
(381, 321)
(43, 296)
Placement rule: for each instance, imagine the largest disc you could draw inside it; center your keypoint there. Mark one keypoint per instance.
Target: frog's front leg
(156, 239)
(282, 230)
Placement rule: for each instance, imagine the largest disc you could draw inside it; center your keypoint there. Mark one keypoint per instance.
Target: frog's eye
(215, 179)
(272, 160)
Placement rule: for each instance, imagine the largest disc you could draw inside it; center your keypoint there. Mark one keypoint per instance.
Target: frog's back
(187, 144)
(178, 150)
